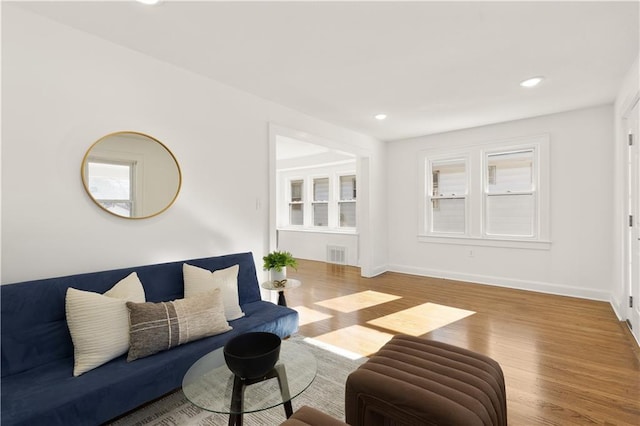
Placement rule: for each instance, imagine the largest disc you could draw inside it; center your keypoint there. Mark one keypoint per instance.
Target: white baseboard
(374, 272)
(636, 335)
(616, 305)
(542, 287)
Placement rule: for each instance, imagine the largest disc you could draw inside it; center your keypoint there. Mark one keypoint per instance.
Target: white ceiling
(294, 153)
(288, 148)
(431, 66)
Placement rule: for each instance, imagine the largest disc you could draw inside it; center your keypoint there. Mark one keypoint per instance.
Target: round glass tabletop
(208, 384)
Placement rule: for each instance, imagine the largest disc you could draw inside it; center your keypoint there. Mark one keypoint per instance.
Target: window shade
(321, 189)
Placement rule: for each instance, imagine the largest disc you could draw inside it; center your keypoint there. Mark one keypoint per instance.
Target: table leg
(237, 395)
(281, 300)
(284, 389)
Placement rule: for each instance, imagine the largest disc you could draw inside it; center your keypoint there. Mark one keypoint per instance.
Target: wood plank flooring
(567, 361)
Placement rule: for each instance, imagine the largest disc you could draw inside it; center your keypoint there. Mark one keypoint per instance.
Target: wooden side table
(280, 288)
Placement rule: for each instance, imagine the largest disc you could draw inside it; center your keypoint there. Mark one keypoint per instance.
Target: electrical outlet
(470, 252)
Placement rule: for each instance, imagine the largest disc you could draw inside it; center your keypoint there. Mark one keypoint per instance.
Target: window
(296, 202)
(347, 203)
(447, 197)
(510, 194)
(111, 185)
(318, 199)
(320, 202)
(494, 194)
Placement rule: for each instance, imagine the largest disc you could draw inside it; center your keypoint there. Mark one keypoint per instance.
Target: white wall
(580, 261)
(627, 95)
(313, 245)
(63, 89)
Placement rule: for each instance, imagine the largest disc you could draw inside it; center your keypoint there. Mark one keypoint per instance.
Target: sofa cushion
(199, 280)
(156, 327)
(99, 323)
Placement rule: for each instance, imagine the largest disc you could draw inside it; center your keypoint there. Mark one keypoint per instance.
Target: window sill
(487, 242)
(321, 231)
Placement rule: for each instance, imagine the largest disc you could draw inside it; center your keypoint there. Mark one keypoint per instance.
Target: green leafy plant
(278, 260)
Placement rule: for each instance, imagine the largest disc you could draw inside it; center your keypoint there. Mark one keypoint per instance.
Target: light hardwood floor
(566, 360)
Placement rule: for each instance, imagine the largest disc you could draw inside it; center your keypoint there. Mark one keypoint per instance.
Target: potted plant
(276, 263)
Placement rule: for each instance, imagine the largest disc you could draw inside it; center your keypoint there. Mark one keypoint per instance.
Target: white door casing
(633, 235)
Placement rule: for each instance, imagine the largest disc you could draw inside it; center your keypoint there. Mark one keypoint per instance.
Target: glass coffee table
(209, 384)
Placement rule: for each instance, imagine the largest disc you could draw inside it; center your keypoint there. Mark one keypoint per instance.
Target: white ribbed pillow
(198, 281)
(99, 323)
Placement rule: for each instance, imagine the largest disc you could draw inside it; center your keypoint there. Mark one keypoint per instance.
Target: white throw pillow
(99, 323)
(199, 280)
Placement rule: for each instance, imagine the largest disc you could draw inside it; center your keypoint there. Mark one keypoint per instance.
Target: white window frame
(338, 191)
(289, 196)
(428, 176)
(533, 192)
(475, 213)
(333, 226)
(313, 202)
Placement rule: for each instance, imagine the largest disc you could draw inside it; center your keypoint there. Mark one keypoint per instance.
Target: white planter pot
(278, 276)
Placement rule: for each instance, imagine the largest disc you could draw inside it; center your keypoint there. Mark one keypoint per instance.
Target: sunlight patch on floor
(307, 315)
(357, 301)
(331, 348)
(356, 338)
(421, 319)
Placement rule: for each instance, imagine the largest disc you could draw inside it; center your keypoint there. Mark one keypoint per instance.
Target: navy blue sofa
(37, 385)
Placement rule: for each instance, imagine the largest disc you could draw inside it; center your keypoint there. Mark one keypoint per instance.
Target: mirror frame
(151, 139)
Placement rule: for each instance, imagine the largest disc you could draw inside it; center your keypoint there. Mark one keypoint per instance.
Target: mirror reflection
(132, 175)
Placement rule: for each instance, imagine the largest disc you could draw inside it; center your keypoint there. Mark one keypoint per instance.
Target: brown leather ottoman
(306, 415)
(414, 381)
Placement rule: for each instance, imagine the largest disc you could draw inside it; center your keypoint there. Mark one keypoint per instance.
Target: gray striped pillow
(155, 327)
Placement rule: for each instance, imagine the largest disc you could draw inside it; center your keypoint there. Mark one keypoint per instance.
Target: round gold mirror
(132, 175)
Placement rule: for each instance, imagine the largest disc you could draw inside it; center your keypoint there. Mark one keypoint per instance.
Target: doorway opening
(318, 193)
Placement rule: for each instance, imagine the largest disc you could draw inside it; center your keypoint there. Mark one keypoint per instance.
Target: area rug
(325, 393)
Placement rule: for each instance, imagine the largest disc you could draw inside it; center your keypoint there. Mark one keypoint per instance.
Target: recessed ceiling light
(148, 2)
(531, 82)
(380, 116)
